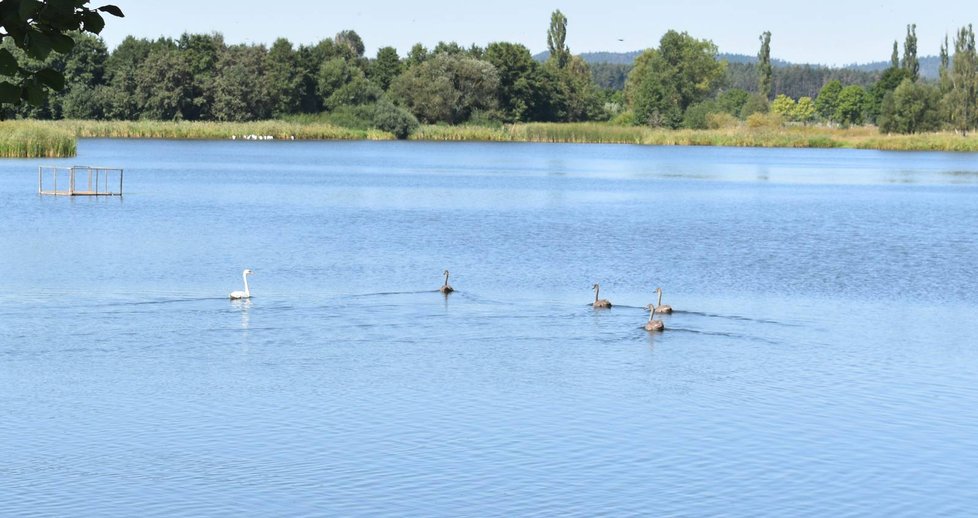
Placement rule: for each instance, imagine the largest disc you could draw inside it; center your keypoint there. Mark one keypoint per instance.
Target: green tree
(804, 110)
(665, 81)
(911, 108)
(201, 53)
(895, 56)
(283, 79)
(962, 100)
(733, 100)
(417, 55)
(121, 70)
(522, 88)
(350, 40)
(849, 110)
(333, 75)
(828, 99)
(888, 81)
(394, 119)
(784, 106)
(39, 27)
(359, 91)
(697, 115)
(944, 67)
(163, 84)
(556, 37)
(447, 88)
(581, 98)
(910, 63)
(756, 103)
(385, 67)
(240, 90)
(84, 69)
(764, 65)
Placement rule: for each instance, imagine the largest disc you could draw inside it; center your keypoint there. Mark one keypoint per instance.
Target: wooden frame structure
(80, 180)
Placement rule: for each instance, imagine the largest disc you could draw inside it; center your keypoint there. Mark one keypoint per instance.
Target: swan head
(247, 272)
(658, 290)
(649, 307)
(595, 286)
(445, 272)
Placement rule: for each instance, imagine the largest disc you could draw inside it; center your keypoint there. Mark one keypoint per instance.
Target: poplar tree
(556, 37)
(961, 101)
(910, 63)
(944, 67)
(895, 57)
(764, 65)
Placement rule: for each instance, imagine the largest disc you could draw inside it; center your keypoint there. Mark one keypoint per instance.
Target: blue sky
(828, 32)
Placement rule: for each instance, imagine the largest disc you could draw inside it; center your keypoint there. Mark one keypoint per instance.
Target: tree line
(201, 77)
(680, 83)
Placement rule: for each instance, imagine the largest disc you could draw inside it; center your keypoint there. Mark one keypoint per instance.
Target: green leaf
(38, 45)
(113, 10)
(52, 78)
(9, 93)
(35, 94)
(60, 43)
(8, 63)
(93, 22)
(28, 8)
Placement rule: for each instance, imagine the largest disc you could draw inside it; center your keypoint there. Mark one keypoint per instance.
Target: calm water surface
(822, 360)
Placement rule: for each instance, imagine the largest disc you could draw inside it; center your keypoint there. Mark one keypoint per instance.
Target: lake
(822, 358)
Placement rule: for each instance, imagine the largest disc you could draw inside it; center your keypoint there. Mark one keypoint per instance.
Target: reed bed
(50, 139)
(218, 130)
(864, 137)
(30, 139)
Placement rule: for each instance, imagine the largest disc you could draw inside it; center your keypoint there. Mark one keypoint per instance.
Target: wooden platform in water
(94, 181)
(80, 193)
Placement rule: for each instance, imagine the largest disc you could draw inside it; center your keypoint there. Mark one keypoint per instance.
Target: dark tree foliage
(910, 108)
(38, 27)
(201, 53)
(796, 81)
(910, 63)
(556, 38)
(352, 41)
(523, 89)
(385, 67)
(888, 82)
(764, 65)
(609, 76)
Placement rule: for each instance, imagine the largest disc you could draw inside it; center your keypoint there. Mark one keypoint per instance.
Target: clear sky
(834, 32)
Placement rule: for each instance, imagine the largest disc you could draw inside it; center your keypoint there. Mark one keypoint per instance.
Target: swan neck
(244, 277)
(652, 314)
(659, 303)
(446, 278)
(597, 289)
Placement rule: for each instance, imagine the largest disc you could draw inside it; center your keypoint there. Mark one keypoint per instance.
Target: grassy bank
(216, 130)
(739, 136)
(30, 139)
(57, 138)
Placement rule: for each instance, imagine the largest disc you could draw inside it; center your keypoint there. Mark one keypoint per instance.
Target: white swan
(246, 294)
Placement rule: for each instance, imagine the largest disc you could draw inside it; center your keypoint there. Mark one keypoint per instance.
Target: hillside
(928, 64)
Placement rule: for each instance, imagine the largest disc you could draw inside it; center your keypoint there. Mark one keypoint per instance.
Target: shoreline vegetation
(58, 139)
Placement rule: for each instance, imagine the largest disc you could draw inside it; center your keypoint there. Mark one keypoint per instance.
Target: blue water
(822, 359)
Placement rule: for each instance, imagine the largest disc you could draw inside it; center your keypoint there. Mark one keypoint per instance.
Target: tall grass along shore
(32, 139)
(49, 139)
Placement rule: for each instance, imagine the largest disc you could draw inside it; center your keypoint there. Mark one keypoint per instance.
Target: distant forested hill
(610, 69)
(929, 66)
